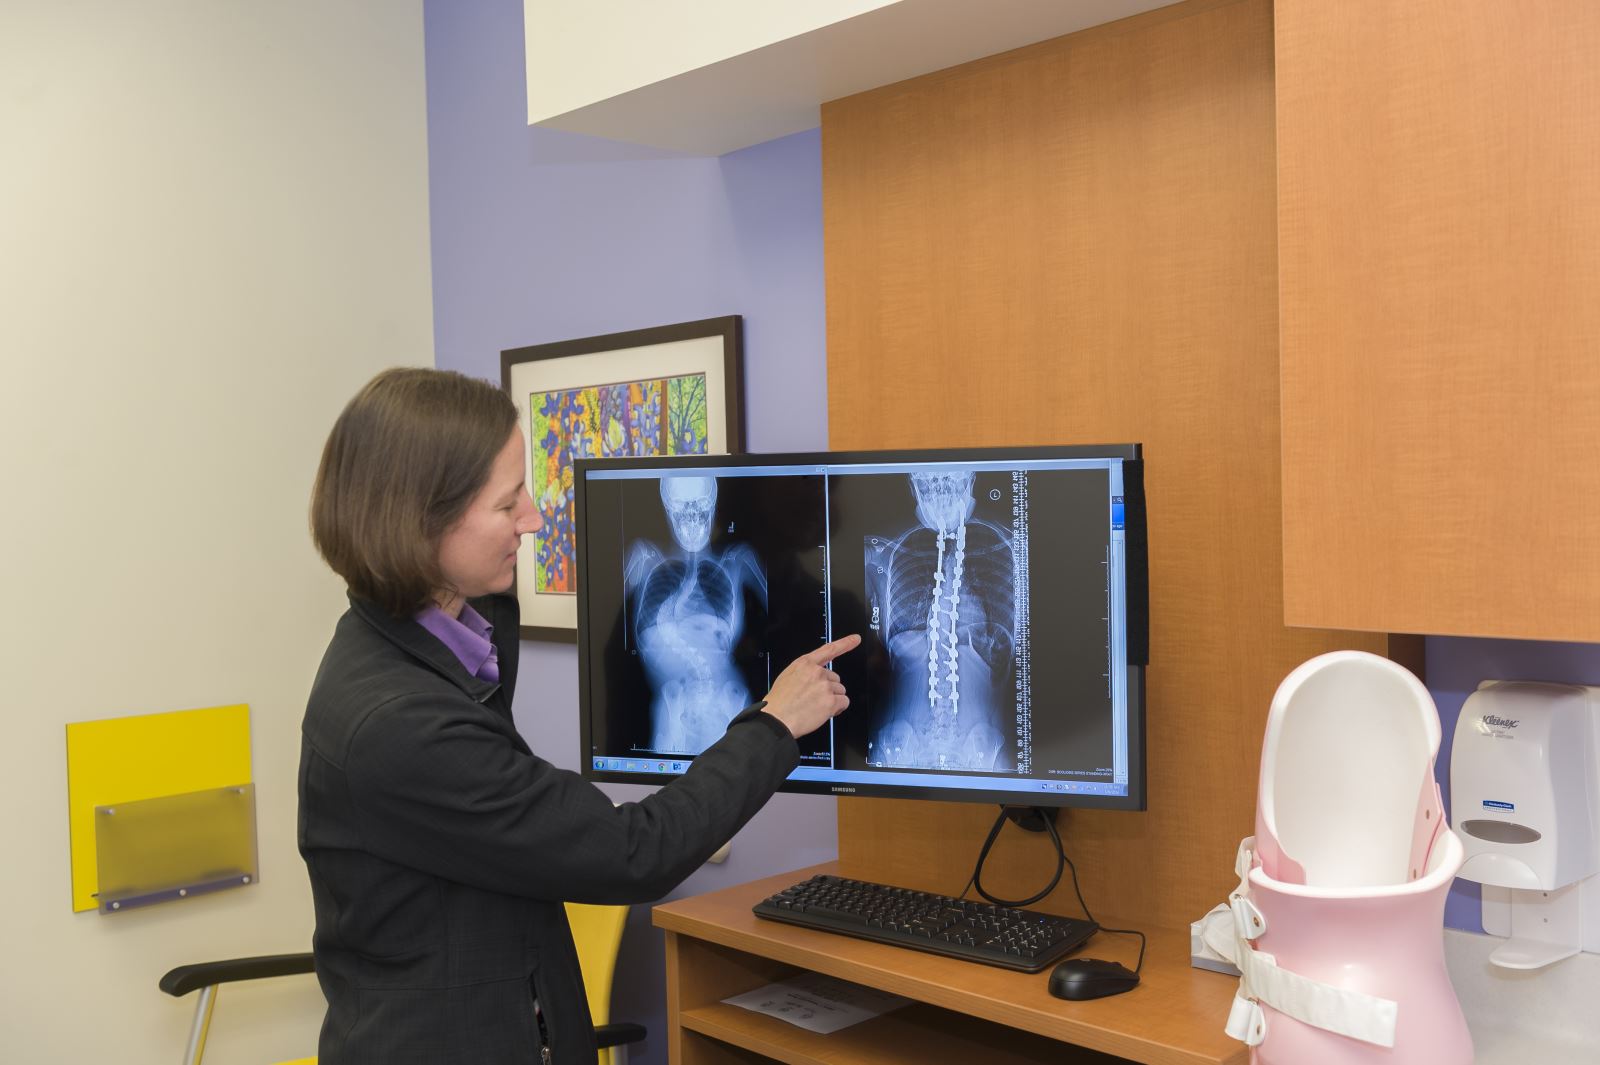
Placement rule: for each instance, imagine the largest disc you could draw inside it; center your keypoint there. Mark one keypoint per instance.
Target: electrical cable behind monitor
(1047, 817)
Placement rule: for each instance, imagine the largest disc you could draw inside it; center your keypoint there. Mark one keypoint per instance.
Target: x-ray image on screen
(941, 584)
(702, 577)
(687, 601)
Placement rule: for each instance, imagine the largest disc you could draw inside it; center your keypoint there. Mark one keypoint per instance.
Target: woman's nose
(531, 521)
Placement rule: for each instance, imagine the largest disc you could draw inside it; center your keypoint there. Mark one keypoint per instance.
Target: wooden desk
(964, 1012)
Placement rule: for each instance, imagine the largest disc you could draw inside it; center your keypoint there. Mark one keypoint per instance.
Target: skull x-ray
(942, 591)
(686, 607)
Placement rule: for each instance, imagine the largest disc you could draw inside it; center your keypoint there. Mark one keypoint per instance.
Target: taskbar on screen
(679, 766)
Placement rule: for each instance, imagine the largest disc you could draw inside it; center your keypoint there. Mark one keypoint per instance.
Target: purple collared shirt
(470, 638)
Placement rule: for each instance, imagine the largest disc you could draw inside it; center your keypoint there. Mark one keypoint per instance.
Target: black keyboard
(1026, 940)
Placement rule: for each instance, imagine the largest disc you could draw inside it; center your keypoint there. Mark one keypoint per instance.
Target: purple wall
(1455, 668)
(540, 236)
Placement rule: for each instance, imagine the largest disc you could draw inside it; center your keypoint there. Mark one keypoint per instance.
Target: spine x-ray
(686, 612)
(947, 591)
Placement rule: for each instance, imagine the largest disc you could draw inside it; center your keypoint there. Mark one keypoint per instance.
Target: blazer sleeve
(445, 790)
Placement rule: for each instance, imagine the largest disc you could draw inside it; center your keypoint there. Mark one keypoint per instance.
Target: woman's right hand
(808, 693)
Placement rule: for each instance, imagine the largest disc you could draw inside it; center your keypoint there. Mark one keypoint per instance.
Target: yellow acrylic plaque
(128, 759)
(175, 846)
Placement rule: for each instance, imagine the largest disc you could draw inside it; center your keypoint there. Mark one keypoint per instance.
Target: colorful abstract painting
(661, 417)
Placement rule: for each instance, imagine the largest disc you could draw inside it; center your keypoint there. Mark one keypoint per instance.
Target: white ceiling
(777, 89)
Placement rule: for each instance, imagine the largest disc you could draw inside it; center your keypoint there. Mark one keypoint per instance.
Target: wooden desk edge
(1174, 1016)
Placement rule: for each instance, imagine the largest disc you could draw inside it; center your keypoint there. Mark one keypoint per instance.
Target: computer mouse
(1081, 978)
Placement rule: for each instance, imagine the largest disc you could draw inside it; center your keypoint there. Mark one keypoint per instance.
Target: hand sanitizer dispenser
(1525, 800)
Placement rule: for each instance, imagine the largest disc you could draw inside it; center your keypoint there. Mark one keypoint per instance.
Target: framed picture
(670, 390)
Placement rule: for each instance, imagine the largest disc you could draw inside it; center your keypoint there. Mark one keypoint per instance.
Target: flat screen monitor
(1000, 595)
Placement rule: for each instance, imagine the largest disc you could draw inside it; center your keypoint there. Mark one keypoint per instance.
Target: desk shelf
(717, 948)
(917, 1033)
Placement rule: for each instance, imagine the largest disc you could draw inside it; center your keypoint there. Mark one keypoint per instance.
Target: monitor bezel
(1137, 575)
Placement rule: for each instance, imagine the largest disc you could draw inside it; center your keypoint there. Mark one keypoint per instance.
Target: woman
(440, 847)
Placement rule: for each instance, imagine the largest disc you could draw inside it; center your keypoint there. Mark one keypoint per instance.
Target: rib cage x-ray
(942, 591)
(687, 612)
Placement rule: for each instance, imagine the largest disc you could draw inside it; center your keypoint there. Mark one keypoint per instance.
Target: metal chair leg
(202, 1025)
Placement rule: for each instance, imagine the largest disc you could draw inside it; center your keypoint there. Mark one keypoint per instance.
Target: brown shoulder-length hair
(402, 463)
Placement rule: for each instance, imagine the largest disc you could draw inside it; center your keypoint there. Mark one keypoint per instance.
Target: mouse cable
(975, 881)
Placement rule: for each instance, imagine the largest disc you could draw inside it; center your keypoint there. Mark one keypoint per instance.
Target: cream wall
(213, 228)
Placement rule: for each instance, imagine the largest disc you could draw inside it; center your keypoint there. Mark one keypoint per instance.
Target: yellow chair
(597, 931)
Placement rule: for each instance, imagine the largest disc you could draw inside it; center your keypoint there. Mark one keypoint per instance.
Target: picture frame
(678, 388)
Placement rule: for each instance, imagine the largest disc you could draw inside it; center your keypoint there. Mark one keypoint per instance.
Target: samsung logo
(1499, 722)
(842, 791)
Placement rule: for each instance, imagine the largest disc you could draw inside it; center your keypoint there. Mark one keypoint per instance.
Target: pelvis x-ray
(942, 591)
(686, 604)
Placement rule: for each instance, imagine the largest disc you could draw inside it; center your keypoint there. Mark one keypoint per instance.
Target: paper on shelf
(818, 1003)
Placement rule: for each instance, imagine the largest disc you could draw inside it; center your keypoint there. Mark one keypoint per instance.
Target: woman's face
(477, 554)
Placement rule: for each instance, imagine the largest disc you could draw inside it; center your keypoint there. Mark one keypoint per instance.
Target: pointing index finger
(833, 650)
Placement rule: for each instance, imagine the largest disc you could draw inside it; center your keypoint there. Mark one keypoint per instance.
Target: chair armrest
(615, 1035)
(187, 978)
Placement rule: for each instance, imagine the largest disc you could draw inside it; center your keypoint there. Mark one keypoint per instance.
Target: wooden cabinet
(1076, 243)
(1439, 269)
(962, 1012)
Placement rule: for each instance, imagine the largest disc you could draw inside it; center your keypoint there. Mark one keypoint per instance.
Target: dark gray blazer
(441, 848)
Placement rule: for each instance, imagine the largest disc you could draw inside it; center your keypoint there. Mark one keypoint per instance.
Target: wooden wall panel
(1074, 243)
(1439, 163)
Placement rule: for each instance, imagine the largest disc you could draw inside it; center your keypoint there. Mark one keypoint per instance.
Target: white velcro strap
(1261, 981)
(1247, 920)
(1243, 859)
(1335, 1009)
(1247, 1022)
